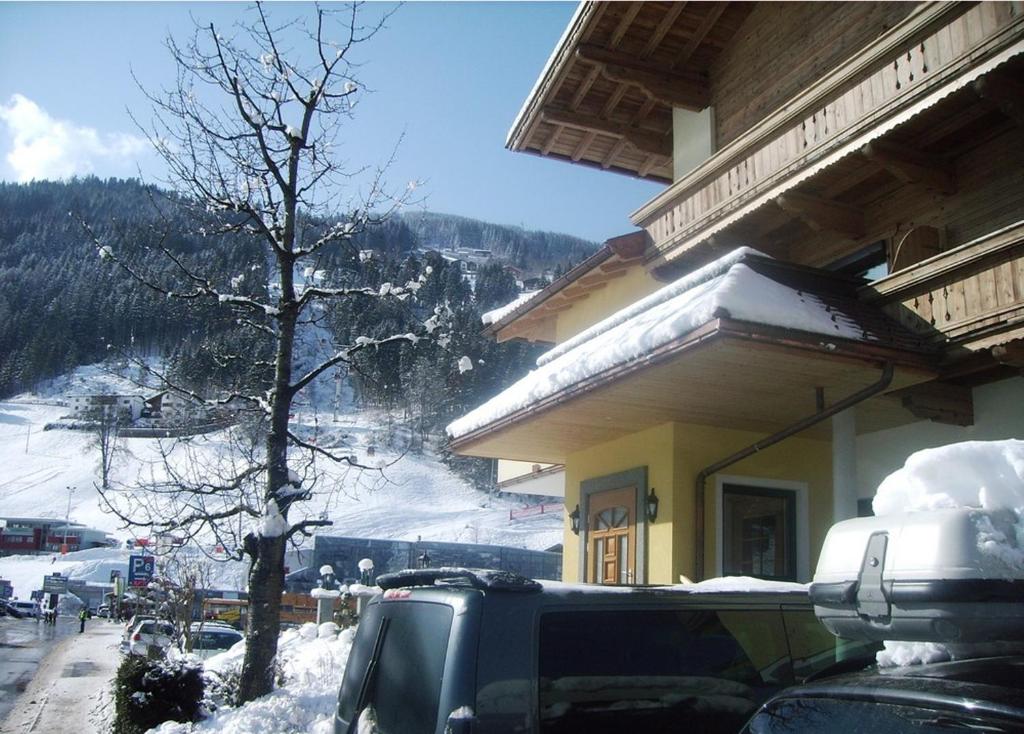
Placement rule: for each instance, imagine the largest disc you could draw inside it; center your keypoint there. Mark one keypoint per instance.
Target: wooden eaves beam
(911, 166)
(687, 89)
(598, 278)
(823, 215)
(1005, 92)
(642, 140)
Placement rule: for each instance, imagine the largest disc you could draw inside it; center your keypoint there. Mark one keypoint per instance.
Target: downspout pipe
(801, 425)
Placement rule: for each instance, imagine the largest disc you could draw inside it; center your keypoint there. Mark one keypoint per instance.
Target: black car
(490, 652)
(979, 695)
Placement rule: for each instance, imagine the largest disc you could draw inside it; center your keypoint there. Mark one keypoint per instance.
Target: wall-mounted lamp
(652, 506)
(574, 520)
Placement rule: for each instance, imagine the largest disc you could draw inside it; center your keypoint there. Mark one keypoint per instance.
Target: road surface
(55, 680)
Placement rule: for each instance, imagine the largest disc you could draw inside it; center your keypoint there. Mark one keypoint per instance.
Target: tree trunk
(266, 579)
(266, 575)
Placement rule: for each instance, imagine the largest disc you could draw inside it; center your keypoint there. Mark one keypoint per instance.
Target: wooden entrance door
(611, 541)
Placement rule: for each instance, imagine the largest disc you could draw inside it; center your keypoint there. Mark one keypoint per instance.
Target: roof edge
(722, 327)
(556, 61)
(605, 252)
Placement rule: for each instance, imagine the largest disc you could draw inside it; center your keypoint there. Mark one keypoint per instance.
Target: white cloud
(46, 148)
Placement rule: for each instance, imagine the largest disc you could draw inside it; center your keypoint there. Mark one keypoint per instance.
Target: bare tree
(183, 576)
(249, 134)
(105, 426)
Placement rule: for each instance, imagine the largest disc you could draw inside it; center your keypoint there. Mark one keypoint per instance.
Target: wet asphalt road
(23, 643)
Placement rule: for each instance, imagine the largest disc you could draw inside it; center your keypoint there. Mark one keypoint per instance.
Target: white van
(30, 608)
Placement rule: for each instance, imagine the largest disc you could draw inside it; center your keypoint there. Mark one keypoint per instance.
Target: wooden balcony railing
(972, 295)
(906, 70)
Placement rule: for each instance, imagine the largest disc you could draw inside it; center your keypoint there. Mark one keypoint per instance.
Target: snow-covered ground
(404, 497)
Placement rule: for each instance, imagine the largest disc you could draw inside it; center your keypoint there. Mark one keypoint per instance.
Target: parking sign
(140, 570)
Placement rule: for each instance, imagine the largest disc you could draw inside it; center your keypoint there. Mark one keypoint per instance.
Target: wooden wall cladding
(784, 47)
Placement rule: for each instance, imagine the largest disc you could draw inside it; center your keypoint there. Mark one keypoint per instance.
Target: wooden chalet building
(868, 159)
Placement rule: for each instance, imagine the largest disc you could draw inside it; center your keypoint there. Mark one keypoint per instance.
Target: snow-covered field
(407, 496)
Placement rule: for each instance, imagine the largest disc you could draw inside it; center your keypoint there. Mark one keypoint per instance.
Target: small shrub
(149, 692)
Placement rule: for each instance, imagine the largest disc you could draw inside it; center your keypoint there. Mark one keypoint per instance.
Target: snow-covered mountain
(408, 496)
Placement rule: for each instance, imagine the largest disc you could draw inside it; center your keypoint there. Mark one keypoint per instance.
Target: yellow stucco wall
(653, 448)
(618, 294)
(673, 454)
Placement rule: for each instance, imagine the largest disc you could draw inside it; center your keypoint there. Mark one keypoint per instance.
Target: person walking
(83, 615)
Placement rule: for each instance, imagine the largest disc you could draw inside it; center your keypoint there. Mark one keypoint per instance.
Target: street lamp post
(67, 521)
(325, 593)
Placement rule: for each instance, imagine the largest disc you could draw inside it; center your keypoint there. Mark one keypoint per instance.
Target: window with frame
(758, 532)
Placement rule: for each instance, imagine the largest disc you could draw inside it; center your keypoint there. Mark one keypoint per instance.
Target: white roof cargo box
(938, 576)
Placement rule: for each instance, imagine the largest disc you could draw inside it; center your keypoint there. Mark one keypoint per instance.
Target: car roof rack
(476, 578)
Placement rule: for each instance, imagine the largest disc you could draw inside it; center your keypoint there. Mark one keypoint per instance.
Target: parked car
(983, 695)
(210, 638)
(25, 608)
(877, 580)
(150, 637)
(9, 610)
(491, 652)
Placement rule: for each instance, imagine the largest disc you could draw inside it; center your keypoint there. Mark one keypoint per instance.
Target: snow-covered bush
(149, 692)
(311, 662)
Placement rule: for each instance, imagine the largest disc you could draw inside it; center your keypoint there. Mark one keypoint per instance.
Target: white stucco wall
(998, 414)
(693, 139)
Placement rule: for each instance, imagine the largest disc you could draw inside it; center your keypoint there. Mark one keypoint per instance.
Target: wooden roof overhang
(605, 97)
(728, 374)
(534, 319)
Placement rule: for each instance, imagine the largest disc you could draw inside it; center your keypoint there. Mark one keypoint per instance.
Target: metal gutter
(803, 424)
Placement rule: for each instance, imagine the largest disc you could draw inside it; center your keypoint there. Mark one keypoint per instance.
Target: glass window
(758, 532)
(404, 679)
(653, 670)
(813, 648)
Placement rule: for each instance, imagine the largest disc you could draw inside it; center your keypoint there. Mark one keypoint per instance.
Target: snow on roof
(497, 314)
(664, 316)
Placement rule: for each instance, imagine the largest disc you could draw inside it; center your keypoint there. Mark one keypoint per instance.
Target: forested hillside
(529, 250)
(61, 305)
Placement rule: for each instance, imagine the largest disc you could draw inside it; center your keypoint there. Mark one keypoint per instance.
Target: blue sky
(450, 76)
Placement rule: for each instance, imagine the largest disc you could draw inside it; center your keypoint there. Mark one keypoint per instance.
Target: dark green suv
(489, 652)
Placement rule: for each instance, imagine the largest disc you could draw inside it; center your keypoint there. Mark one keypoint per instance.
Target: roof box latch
(871, 598)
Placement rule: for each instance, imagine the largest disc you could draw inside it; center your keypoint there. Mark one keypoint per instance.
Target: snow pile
(724, 286)
(312, 660)
(495, 315)
(987, 475)
(984, 474)
(727, 584)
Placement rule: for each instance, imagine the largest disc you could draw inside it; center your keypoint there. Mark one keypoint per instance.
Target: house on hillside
(831, 279)
(172, 407)
(127, 407)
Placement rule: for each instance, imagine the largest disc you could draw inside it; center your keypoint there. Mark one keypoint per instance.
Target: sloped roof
(743, 286)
